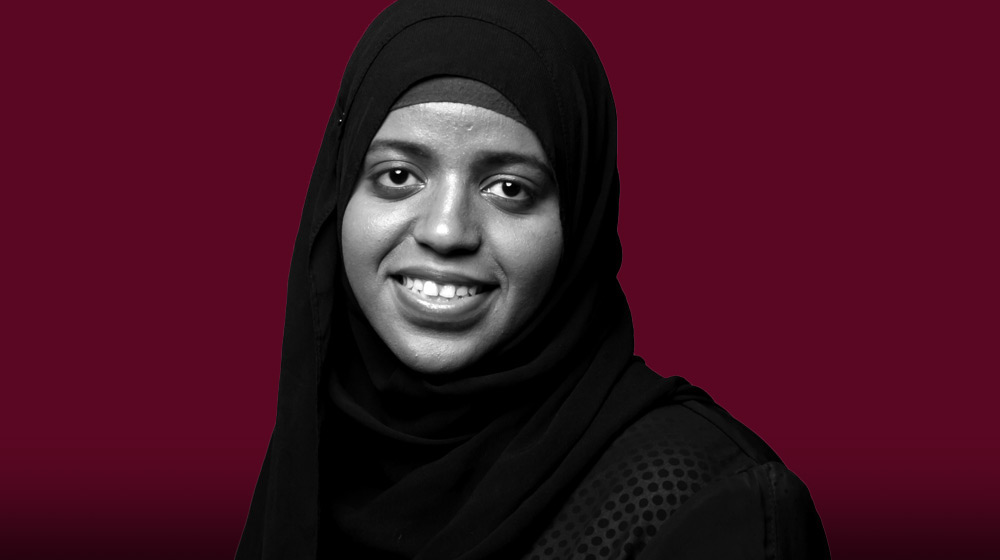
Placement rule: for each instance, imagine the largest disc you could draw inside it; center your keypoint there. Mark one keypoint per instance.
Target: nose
(447, 221)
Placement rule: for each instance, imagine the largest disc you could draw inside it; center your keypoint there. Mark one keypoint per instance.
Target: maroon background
(809, 219)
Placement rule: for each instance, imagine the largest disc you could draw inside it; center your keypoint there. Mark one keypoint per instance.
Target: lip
(442, 276)
(453, 314)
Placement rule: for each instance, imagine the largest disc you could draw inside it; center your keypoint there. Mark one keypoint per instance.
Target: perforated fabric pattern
(650, 471)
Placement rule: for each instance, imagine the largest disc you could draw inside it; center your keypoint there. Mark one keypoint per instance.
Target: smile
(442, 291)
(443, 304)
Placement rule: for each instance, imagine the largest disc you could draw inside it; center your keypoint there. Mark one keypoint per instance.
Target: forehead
(446, 126)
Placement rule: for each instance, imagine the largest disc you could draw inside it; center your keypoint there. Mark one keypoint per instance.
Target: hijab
(371, 459)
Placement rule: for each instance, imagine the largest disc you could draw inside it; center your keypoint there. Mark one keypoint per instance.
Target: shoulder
(700, 439)
(677, 474)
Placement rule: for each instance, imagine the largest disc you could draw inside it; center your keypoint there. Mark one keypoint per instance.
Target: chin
(437, 357)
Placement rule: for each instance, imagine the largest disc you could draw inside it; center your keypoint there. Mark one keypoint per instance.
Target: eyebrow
(409, 148)
(512, 158)
(483, 158)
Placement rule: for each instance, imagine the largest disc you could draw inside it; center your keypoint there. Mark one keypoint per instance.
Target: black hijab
(370, 459)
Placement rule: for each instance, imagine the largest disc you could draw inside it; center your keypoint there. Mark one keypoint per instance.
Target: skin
(462, 196)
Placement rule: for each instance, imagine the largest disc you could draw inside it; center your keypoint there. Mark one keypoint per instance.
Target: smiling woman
(452, 237)
(458, 378)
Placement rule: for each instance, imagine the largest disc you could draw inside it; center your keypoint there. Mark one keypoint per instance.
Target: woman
(458, 378)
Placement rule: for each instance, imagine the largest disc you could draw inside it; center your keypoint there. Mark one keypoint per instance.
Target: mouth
(446, 303)
(442, 291)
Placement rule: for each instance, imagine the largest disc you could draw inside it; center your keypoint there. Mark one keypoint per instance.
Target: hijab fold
(370, 459)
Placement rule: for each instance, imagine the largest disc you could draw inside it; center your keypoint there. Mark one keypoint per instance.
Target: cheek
(363, 245)
(354, 237)
(367, 236)
(531, 258)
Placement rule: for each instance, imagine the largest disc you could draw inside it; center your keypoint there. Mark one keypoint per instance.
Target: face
(452, 237)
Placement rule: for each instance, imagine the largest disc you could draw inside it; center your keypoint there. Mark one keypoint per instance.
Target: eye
(511, 190)
(397, 178)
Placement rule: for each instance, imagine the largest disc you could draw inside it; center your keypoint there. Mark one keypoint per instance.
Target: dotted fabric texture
(651, 470)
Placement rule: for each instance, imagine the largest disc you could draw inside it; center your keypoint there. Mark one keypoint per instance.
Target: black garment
(369, 459)
(685, 481)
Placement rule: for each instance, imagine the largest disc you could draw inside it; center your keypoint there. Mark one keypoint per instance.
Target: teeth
(430, 288)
